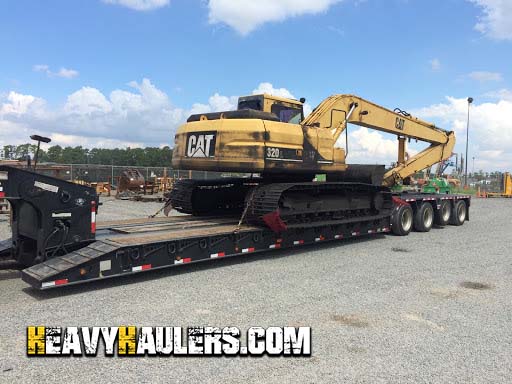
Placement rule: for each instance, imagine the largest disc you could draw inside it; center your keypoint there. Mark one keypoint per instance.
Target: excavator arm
(337, 111)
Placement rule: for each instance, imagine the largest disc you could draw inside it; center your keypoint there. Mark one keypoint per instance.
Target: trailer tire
(424, 218)
(401, 220)
(443, 214)
(459, 213)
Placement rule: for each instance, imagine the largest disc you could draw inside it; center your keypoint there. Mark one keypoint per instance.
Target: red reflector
(187, 260)
(61, 281)
(93, 217)
(2, 194)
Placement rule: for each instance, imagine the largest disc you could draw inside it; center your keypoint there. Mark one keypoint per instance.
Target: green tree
(136, 157)
(54, 154)
(74, 155)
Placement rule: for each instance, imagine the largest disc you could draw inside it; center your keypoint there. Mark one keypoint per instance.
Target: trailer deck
(134, 246)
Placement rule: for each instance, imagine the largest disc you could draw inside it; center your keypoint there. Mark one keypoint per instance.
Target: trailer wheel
(459, 212)
(401, 221)
(443, 214)
(424, 218)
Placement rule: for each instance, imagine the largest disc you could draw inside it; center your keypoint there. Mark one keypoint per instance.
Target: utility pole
(470, 100)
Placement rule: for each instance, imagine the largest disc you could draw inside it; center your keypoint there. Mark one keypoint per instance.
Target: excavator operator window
(250, 104)
(287, 114)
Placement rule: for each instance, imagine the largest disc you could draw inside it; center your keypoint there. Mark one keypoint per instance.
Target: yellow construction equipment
(506, 187)
(269, 136)
(264, 136)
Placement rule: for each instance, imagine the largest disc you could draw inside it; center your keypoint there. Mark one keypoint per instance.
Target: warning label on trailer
(167, 341)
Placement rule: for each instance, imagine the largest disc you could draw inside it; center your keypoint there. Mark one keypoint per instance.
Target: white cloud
(490, 132)
(139, 5)
(246, 15)
(366, 146)
(144, 115)
(19, 104)
(216, 103)
(484, 76)
(67, 73)
(89, 142)
(503, 94)
(435, 65)
(269, 89)
(62, 72)
(495, 21)
(141, 115)
(87, 101)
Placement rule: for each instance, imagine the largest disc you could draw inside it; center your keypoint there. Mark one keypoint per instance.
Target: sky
(117, 73)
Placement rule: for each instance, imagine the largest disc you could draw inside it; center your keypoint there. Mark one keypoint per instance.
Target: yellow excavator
(270, 137)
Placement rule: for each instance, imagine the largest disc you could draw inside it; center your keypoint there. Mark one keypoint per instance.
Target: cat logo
(201, 144)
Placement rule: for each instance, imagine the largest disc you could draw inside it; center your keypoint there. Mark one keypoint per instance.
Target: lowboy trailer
(55, 234)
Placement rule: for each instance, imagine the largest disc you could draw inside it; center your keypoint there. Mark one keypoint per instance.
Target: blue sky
(76, 69)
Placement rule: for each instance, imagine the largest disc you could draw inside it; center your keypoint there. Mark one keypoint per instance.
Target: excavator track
(311, 204)
(300, 204)
(207, 197)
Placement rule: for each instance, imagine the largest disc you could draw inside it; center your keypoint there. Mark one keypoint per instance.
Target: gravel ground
(388, 309)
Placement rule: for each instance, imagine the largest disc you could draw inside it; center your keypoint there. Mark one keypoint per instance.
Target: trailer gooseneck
(54, 231)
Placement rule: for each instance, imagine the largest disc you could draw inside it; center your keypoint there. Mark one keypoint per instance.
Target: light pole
(470, 100)
(39, 139)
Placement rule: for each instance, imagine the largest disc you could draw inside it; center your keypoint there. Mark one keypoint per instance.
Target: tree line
(141, 157)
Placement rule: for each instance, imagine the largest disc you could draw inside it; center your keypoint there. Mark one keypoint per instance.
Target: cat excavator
(269, 137)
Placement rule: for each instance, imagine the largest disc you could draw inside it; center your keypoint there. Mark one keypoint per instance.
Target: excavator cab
(287, 110)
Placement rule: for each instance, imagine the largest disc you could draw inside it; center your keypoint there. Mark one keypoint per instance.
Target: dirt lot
(432, 307)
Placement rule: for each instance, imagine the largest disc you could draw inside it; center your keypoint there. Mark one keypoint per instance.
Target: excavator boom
(337, 111)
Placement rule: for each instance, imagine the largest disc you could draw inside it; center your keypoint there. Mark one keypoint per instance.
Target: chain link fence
(93, 173)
